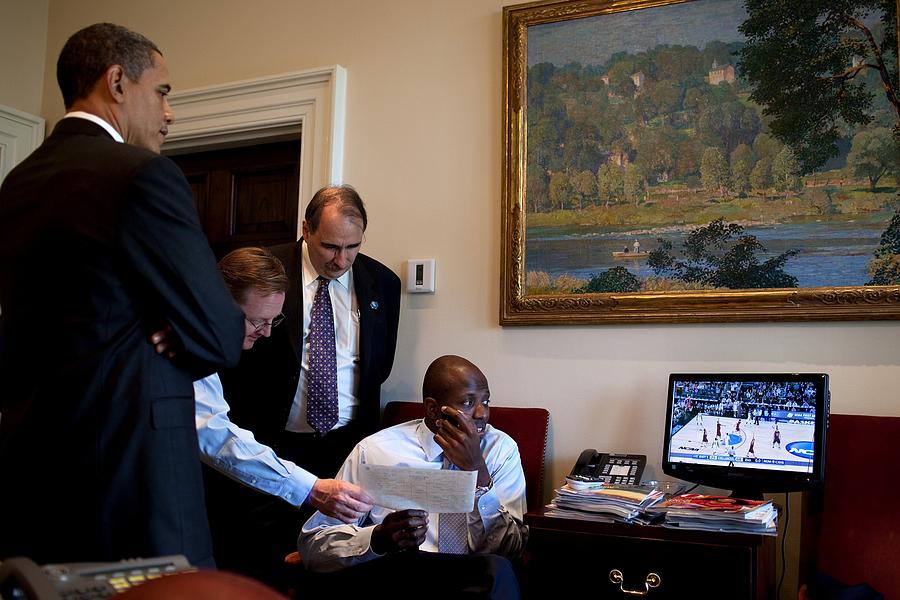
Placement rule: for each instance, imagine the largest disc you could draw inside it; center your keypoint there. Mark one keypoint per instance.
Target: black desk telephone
(615, 469)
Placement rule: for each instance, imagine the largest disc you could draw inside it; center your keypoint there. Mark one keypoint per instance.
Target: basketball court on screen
(789, 445)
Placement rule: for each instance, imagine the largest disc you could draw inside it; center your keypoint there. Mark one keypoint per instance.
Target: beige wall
(23, 41)
(423, 147)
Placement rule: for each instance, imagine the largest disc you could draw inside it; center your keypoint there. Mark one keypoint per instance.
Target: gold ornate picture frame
(624, 202)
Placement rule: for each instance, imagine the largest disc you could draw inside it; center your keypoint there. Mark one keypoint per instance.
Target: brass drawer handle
(653, 580)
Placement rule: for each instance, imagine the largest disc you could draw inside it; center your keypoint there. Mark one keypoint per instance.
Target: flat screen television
(750, 433)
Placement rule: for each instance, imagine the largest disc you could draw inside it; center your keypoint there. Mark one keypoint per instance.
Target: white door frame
(310, 104)
(20, 134)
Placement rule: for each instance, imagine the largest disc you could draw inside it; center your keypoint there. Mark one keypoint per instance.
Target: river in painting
(832, 253)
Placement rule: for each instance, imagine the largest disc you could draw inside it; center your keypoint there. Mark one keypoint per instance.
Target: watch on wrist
(481, 490)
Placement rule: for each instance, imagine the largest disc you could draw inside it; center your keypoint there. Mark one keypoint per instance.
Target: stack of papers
(604, 502)
(720, 513)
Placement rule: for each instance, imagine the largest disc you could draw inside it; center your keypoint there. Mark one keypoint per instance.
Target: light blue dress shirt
(235, 452)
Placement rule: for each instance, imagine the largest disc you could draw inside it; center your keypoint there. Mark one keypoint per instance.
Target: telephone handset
(615, 469)
(22, 578)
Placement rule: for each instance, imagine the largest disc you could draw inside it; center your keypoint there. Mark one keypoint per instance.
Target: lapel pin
(373, 305)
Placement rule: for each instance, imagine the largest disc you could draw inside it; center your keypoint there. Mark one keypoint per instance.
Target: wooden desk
(571, 556)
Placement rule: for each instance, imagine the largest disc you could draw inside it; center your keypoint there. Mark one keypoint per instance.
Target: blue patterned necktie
(321, 381)
(453, 530)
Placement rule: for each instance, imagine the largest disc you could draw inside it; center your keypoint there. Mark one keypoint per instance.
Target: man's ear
(114, 77)
(432, 409)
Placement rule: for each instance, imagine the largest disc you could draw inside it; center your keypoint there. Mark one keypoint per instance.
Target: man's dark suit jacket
(100, 245)
(261, 389)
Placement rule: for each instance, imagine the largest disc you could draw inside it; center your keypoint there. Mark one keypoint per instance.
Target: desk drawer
(581, 561)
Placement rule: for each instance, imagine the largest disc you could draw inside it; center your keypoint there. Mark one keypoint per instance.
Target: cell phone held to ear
(450, 419)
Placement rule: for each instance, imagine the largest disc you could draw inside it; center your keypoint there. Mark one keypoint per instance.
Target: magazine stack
(720, 513)
(604, 502)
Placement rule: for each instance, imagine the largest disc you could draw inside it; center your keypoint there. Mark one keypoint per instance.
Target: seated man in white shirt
(379, 552)
(257, 281)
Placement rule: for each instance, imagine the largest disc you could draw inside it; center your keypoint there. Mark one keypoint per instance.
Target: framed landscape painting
(706, 160)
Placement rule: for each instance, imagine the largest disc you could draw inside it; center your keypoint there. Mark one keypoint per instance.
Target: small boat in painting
(630, 254)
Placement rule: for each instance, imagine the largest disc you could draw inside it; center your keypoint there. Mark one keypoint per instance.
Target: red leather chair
(854, 535)
(528, 426)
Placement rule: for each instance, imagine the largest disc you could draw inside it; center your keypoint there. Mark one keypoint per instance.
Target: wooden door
(246, 196)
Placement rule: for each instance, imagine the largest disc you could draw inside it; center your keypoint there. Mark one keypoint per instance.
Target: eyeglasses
(259, 326)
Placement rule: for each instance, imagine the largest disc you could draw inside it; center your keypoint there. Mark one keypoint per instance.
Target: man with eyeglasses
(257, 281)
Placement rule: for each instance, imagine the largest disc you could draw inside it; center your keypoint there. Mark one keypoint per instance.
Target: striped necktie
(453, 531)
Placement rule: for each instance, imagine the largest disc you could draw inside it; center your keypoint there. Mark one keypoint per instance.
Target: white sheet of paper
(433, 490)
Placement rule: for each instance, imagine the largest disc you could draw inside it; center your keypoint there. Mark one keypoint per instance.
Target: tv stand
(616, 560)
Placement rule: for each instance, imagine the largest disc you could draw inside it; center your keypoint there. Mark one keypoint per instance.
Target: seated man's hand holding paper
(401, 530)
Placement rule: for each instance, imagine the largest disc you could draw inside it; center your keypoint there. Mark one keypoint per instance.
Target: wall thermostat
(420, 276)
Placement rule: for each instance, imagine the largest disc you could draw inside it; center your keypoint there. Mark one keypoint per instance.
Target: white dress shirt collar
(80, 114)
(433, 451)
(310, 274)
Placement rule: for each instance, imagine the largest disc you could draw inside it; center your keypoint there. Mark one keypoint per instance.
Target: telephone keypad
(620, 470)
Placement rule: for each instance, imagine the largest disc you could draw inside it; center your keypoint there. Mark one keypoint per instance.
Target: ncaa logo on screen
(801, 449)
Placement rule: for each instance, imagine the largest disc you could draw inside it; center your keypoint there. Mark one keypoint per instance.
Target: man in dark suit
(269, 390)
(100, 246)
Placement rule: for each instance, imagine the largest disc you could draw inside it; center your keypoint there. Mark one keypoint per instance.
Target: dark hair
(255, 268)
(347, 200)
(90, 52)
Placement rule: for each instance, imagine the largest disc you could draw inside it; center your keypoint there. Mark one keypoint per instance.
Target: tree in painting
(720, 255)
(819, 51)
(741, 169)
(617, 279)
(786, 171)
(885, 268)
(874, 154)
(714, 171)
